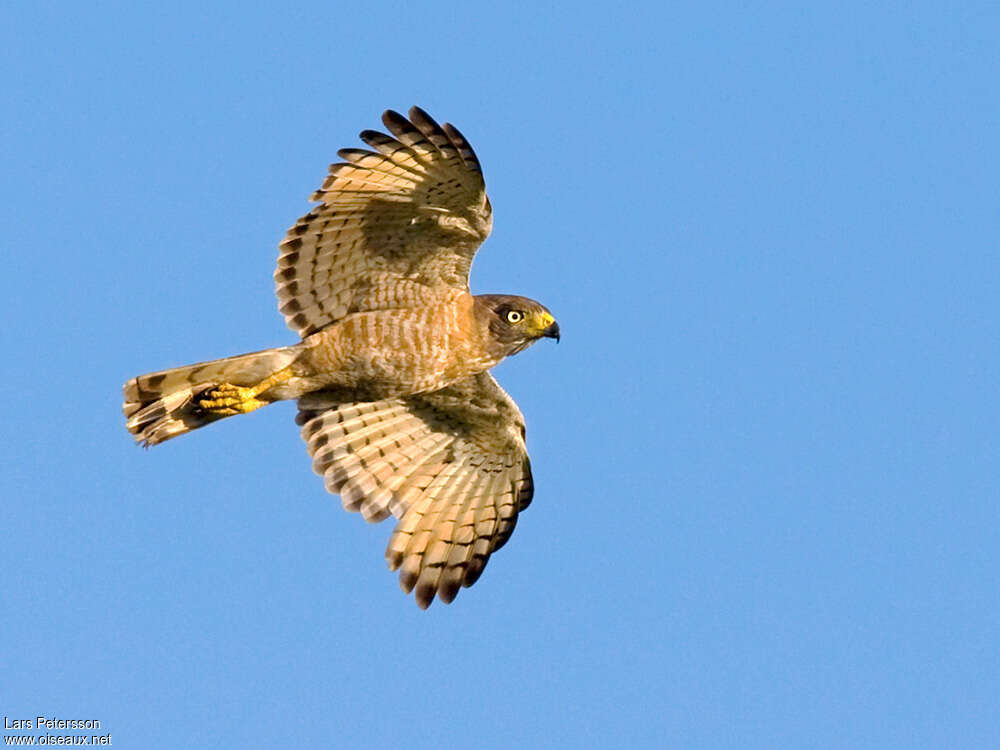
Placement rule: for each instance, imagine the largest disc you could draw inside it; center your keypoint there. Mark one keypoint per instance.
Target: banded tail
(162, 405)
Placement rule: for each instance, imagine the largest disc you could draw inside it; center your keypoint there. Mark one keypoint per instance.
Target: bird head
(517, 322)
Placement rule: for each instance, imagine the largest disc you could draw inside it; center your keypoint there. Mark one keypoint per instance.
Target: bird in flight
(395, 400)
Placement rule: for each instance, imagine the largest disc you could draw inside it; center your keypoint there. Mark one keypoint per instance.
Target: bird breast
(399, 352)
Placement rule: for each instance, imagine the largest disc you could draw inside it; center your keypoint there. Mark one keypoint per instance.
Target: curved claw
(228, 399)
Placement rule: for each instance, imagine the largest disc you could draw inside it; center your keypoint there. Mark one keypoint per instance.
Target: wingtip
(449, 590)
(423, 121)
(423, 598)
(371, 137)
(392, 119)
(419, 113)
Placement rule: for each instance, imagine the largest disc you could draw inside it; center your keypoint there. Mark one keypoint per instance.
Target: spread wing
(396, 227)
(450, 465)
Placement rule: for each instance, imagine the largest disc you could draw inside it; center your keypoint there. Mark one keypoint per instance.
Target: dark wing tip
(373, 137)
(424, 594)
(430, 130)
(461, 143)
(395, 121)
(526, 490)
(347, 153)
(448, 590)
(456, 135)
(418, 115)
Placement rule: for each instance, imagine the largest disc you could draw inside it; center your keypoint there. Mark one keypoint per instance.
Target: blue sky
(765, 452)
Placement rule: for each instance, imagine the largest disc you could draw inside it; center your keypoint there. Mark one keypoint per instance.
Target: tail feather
(161, 405)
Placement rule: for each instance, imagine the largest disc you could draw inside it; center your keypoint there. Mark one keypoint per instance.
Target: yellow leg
(227, 399)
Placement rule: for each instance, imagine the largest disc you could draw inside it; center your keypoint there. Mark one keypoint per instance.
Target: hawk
(396, 403)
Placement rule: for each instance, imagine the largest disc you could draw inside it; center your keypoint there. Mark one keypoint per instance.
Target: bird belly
(390, 353)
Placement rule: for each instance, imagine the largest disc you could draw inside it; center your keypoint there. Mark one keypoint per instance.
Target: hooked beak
(552, 332)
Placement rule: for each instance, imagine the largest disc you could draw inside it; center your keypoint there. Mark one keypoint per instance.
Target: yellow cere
(545, 320)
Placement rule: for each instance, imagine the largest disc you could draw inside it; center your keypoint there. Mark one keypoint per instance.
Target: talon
(228, 399)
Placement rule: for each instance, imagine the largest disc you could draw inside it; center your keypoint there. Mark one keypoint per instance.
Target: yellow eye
(515, 316)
